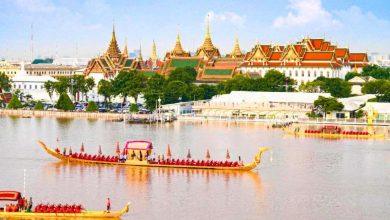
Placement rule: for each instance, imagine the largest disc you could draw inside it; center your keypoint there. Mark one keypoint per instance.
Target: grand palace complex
(303, 61)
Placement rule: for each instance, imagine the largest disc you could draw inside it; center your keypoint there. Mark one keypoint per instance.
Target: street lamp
(159, 106)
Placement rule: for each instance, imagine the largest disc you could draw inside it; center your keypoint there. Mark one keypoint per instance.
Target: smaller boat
(330, 131)
(22, 210)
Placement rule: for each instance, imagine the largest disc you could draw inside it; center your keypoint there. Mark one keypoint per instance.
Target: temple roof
(113, 49)
(236, 50)
(207, 43)
(178, 49)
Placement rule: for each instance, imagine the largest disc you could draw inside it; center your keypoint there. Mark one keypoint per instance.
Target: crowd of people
(23, 204)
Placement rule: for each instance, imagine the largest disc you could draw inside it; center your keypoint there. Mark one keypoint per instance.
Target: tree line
(180, 86)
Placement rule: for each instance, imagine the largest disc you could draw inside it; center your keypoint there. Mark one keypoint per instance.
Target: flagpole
(24, 182)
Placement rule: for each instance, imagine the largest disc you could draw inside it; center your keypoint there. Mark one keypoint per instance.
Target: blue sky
(72, 28)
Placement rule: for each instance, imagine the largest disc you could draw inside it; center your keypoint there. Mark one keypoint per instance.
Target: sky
(82, 28)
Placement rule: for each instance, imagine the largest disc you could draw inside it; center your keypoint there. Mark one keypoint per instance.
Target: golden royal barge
(137, 153)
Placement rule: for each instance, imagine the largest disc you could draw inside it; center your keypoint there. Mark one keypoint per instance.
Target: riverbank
(273, 121)
(129, 117)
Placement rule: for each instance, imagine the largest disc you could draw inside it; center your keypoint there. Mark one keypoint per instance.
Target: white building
(269, 105)
(32, 85)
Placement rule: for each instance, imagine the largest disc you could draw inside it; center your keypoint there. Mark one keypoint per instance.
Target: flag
(227, 154)
(82, 148)
(169, 152)
(208, 155)
(118, 150)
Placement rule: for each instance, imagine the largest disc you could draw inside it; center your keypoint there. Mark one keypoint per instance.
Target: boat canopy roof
(139, 145)
(9, 195)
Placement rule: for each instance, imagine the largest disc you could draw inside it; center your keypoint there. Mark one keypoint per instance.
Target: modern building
(380, 59)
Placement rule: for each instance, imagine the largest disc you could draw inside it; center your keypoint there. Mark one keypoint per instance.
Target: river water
(300, 178)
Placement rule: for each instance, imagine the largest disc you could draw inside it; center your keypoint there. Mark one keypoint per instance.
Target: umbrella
(227, 154)
(82, 148)
(208, 155)
(189, 154)
(70, 151)
(100, 150)
(118, 150)
(169, 152)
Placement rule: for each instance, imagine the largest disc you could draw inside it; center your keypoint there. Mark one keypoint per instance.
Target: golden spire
(178, 49)
(208, 44)
(236, 51)
(125, 52)
(154, 53)
(140, 53)
(113, 49)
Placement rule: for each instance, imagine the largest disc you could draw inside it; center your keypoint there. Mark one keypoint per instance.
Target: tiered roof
(305, 53)
(208, 50)
(178, 50)
(113, 60)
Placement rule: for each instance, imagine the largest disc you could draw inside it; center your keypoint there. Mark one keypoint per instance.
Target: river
(300, 178)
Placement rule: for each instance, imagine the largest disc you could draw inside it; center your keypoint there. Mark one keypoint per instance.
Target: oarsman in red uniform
(20, 204)
(108, 205)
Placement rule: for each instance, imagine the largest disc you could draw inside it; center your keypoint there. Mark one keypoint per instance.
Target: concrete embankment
(62, 114)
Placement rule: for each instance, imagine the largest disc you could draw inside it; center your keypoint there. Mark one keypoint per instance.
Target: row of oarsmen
(59, 208)
(188, 162)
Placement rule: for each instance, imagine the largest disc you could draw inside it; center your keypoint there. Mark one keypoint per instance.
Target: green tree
(196, 92)
(89, 83)
(274, 80)
(327, 105)
(105, 89)
(376, 71)
(153, 91)
(384, 98)
(176, 91)
(5, 83)
(183, 74)
(50, 88)
(312, 87)
(92, 107)
(129, 83)
(351, 75)
(62, 85)
(379, 86)
(38, 106)
(209, 91)
(14, 102)
(335, 86)
(133, 107)
(238, 83)
(64, 103)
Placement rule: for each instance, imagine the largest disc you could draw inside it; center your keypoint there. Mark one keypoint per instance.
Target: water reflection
(142, 175)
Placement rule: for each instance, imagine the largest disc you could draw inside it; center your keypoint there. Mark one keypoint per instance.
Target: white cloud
(225, 17)
(305, 12)
(355, 16)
